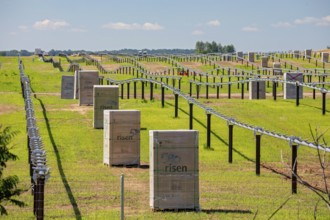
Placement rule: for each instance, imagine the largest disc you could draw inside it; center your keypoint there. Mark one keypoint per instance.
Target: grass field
(81, 187)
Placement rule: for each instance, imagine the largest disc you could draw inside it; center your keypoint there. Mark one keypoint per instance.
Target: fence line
(39, 171)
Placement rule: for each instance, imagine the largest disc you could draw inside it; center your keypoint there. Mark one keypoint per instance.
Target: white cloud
(213, 23)
(323, 21)
(251, 28)
(23, 27)
(152, 27)
(134, 26)
(305, 20)
(47, 24)
(197, 32)
(282, 25)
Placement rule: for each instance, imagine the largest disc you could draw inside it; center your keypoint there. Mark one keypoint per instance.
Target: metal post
(127, 90)
(191, 115)
(207, 91)
(197, 90)
(257, 89)
(142, 90)
(297, 94)
(229, 90)
(230, 142)
(242, 91)
(208, 140)
(190, 88)
(258, 141)
(122, 179)
(323, 102)
(134, 85)
(35, 197)
(218, 92)
(274, 90)
(176, 105)
(151, 91)
(40, 198)
(122, 91)
(294, 162)
(163, 96)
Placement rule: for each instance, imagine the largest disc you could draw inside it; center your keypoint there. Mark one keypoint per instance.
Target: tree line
(213, 47)
(54, 52)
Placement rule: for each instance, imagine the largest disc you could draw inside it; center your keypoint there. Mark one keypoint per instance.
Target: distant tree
(8, 185)
(200, 47)
(208, 47)
(214, 47)
(220, 48)
(25, 53)
(228, 49)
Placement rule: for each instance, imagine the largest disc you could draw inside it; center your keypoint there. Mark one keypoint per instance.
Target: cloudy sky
(258, 25)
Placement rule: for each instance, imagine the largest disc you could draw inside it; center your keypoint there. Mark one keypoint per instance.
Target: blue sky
(251, 25)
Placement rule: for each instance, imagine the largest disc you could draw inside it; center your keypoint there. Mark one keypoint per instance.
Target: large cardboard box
(277, 68)
(253, 85)
(104, 98)
(239, 56)
(67, 87)
(121, 137)
(174, 172)
(290, 89)
(264, 62)
(308, 53)
(87, 80)
(251, 56)
(325, 57)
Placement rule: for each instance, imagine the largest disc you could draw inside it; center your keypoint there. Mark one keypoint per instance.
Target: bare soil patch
(73, 108)
(155, 67)
(111, 67)
(193, 65)
(8, 109)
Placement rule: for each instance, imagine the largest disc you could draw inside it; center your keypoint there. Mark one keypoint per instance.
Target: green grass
(81, 185)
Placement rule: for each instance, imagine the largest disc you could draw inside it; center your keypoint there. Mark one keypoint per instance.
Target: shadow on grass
(59, 163)
(141, 166)
(303, 104)
(209, 211)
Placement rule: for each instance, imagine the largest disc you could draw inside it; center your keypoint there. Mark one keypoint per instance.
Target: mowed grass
(80, 185)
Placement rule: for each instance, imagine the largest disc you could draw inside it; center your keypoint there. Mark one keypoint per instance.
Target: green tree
(228, 48)
(8, 185)
(200, 47)
(208, 47)
(220, 48)
(214, 47)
